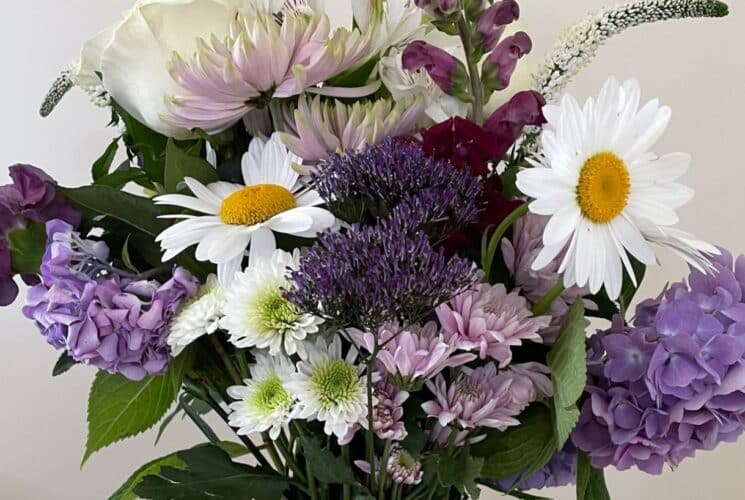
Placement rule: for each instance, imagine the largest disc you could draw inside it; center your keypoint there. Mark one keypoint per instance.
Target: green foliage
(63, 364)
(181, 164)
(126, 491)
(149, 144)
(461, 472)
(356, 77)
(123, 175)
(628, 289)
(590, 481)
(325, 465)
(566, 360)
(27, 246)
(518, 450)
(208, 472)
(119, 408)
(103, 164)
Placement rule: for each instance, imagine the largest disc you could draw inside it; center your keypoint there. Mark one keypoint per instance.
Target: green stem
(488, 258)
(198, 421)
(477, 90)
(347, 489)
(544, 304)
(275, 109)
(370, 436)
(286, 450)
(384, 470)
(226, 360)
(269, 445)
(311, 481)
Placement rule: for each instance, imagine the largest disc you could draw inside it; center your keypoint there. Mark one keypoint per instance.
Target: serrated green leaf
(180, 164)
(119, 408)
(461, 473)
(208, 472)
(27, 246)
(103, 164)
(126, 491)
(326, 466)
(566, 360)
(590, 481)
(518, 450)
(63, 364)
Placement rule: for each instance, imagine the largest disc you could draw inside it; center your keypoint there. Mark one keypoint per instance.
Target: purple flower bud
(32, 197)
(445, 70)
(502, 61)
(507, 122)
(8, 287)
(493, 20)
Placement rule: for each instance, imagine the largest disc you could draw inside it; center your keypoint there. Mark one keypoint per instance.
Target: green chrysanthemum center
(276, 313)
(335, 382)
(270, 395)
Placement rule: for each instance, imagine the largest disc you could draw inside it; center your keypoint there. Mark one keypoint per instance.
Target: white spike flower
(264, 403)
(234, 216)
(606, 192)
(200, 316)
(330, 389)
(258, 315)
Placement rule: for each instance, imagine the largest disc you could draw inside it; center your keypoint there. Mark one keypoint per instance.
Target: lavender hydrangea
(102, 316)
(370, 275)
(674, 383)
(369, 184)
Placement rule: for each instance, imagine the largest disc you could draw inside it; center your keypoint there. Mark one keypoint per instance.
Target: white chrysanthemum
(199, 316)
(330, 389)
(264, 403)
(273, 199)
(258, 315)
(606, 193)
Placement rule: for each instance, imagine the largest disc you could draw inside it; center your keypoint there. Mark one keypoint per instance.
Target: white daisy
(330, 389)
(264, 402)
(258, 315)
(606, 193)
(273, 199)
(199, 316)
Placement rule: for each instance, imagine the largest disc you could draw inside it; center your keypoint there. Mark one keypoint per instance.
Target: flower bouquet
(372, 260)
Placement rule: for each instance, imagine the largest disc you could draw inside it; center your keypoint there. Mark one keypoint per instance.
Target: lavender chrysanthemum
(371, 183)
(370, 275)
(674, 383)
(101, 316)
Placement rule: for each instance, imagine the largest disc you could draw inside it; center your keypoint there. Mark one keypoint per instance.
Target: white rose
(133, 56)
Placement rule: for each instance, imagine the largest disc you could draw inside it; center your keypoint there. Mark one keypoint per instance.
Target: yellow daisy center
(254, 204)
(604, 187)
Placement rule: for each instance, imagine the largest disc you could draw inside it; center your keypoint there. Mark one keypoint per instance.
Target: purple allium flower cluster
(560, 470)
(675, 382)
(485, 397)
(413, 355)
(30, 198)
(490, 321)
(100, 315)
(370, 275)
(374, 181)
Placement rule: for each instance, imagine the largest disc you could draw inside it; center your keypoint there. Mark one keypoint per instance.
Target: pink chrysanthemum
(411, 356)
(388, 413)
(489, 320)
(484, 397)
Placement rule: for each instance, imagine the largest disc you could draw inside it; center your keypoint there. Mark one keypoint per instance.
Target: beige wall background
(696, 67)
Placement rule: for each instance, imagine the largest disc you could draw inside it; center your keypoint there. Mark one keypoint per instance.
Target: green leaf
(27, 246)
(136, 211)
(590, 481)
(181, 164)
(326, 466)
(566, 360)
(514, 493)
(356, 77)
(63, 364)
(121, 177)
(102, 165)
(150, 144)
(518, 450)
(119, 408)
(126, 491)
(461, 472)
(628, 290)
(208, 472)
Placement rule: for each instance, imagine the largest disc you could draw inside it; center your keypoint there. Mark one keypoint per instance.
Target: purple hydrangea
(674, 383)
(560, 470)
(102, 316)
(370, 275)
(31, 197)
(398, 173)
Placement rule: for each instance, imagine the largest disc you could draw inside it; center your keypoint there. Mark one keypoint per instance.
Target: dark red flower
(464, 143)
